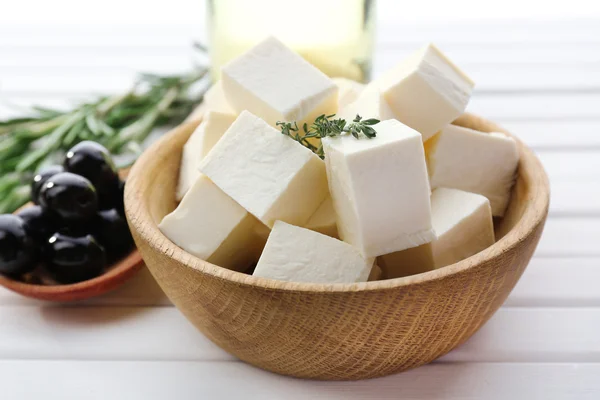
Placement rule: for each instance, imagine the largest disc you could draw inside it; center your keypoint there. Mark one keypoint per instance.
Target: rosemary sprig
(121, 123)
(326, 125)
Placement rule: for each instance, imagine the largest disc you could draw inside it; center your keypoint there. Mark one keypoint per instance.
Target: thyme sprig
(327, 126)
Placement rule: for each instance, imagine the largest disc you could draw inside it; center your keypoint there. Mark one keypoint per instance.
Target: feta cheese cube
(214, 100)
(369, 104)
(348, 90)
(380, 189)
(300, 255)
(324, 220)
(267, 173)
(464, 226)
(426, 91)
(210, 225)
(276, 84)
(208, 133)
(476, 162)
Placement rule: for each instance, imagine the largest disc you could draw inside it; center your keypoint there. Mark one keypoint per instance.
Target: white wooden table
(541, 80)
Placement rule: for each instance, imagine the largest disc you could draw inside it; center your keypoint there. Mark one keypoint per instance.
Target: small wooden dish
(335, 331)
(114, 277)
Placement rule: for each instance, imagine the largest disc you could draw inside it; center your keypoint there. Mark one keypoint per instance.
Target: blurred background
(54, 53)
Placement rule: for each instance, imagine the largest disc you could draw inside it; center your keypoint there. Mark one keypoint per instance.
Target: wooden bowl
(334, 331)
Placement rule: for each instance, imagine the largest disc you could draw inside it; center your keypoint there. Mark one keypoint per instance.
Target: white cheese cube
(348, 90)
(380, 189)
(208, 133)
(269, 174)
(324, 220)
(464, 226)
(370, 104)
(474, 161)
(300, 255)
(426, 91)
(214, 100)
(276, 84)
(210, 225)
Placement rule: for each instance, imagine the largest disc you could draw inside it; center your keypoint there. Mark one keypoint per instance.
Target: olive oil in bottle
(334, 35)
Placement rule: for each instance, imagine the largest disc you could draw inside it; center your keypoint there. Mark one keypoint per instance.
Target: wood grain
(350, 331)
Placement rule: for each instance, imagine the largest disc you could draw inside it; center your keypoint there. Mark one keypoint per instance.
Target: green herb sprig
(326, 125)
(121, 123)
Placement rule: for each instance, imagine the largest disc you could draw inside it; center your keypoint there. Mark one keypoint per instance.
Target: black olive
(74, 259)
(70, 197)
(40, 178)
(112, 232)
(119, 201)
(39, 224)
(19, 252)
(76, 229)
(93, 161)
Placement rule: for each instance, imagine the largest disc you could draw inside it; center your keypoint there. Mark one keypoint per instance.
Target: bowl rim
(147, 230)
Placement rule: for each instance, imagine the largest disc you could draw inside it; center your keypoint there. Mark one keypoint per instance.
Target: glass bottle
(334, 35)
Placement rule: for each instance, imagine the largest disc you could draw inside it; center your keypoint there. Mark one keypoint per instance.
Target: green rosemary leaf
(92, 124)
(201, 47)
(371, 121)
(16, 121)
(46, 112)
(17, 196)
(75, 132)
(11, 147)
(32, 159)
(45, 134)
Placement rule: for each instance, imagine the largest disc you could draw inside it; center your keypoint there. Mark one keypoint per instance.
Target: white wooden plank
(535, 335)
(11, 106)
(67, 81)
(489, 78)
(527, 107)
(485, 32)
(508, 77)
(541, 54)
(558, 282)
(89, 59)
(571, 166)
(62, 54)
(132, 13)
(579, 198)
(58, 380)
(142, 31)
(570, 237)
(137, 333)
(102, 333)
(556, 134)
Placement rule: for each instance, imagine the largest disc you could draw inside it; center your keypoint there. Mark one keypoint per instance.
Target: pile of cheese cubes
(418, 196)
